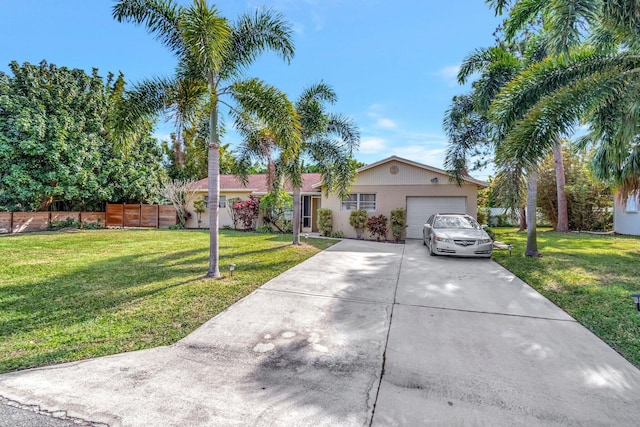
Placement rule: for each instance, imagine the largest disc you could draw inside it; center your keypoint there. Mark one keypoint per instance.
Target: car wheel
(424, 239)
(431, 252)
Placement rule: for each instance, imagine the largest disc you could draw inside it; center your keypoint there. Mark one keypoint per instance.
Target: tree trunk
(532, 196)
(523, 218)
(213, 183)
(296, 215)
(563, 214)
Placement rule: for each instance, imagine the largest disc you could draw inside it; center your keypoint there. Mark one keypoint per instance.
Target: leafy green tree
(273, 206)
(590, 201)
(55, 148)
(212, 54)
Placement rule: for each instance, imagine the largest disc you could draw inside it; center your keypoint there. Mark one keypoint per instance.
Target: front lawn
(589, 276)
(74, 295)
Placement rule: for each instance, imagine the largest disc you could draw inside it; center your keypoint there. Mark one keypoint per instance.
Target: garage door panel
(419, 209)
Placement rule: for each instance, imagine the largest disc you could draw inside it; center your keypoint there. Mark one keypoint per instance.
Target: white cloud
(371, 145)
(385, 123)
(449, 74)
(428, 154)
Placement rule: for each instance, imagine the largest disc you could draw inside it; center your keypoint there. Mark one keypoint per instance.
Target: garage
(419, 209)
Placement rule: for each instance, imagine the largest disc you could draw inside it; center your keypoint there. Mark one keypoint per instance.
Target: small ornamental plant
(358, 220)
(247, 212)
(325, 221)
(377, 226)
(199, 206)
(398, 223)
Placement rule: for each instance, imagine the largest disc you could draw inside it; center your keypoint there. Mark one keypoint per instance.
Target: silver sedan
(456, 234)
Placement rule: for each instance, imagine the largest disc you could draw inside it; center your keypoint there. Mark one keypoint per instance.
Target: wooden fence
(131, 215)
(22, 222)
(117, 215)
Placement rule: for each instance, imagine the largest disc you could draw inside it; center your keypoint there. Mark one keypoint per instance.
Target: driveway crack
(386, 343)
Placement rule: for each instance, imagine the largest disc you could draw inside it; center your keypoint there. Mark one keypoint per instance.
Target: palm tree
(327, 140)
(212, 55)
(593, 81)
(471, 131)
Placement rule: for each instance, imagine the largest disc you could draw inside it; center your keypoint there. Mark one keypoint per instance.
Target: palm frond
(271, 106)
(254, 34)
(136, 107)
(567, 21)
(207, 36)
(160, 17)
(346, 130)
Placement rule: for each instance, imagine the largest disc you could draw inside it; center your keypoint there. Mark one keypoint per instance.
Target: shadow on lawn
(101, 295)
(87, 293)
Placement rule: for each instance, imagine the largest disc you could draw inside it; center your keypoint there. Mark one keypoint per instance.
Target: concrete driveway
(361, 334)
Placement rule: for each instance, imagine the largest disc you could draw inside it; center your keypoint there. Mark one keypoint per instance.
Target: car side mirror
(427, 225)
(484, 226)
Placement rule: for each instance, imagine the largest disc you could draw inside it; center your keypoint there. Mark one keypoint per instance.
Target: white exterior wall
(224, 217)
(625, 222)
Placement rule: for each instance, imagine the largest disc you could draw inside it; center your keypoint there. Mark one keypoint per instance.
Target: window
(632, 203)
(222, 202)
(359, 201)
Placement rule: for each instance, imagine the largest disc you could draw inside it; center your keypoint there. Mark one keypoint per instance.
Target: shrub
(273, 206)
(377, 226)
(247, 212)
(93, 225)
(325, 221)
(482, 216)
(231, 203)
(337, 234)
(67, 223)
(265, 229)
(287, 226)
(398, 223)
(199, 208)
(358, 220)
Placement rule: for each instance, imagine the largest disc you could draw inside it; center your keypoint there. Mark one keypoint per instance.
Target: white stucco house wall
(379, 188)
(626, 215)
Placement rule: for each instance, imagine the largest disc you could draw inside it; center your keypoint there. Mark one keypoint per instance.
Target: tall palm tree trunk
(296, 215)
(213, 183)
(563, 214)
(532, 201)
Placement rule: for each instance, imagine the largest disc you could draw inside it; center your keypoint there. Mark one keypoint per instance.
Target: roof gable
(397, 170)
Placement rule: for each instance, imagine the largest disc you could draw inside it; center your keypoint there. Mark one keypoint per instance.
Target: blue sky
(392, 64)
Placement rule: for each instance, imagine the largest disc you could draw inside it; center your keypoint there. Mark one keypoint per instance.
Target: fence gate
(150, 216)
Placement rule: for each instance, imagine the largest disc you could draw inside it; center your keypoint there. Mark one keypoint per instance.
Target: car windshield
(455, 222)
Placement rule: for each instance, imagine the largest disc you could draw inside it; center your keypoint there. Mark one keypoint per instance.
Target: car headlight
(440, 239)
(483, 241)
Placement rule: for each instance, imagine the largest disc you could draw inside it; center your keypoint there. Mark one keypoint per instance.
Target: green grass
(589, 276)
(74, 295)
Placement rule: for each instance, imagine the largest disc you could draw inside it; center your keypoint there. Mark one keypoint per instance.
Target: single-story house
(378, 188)
(626, 215)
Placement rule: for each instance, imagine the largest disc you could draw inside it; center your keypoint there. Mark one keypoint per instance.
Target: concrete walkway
(460, 342)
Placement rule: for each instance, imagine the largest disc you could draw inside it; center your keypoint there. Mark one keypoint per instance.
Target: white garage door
(419, 209)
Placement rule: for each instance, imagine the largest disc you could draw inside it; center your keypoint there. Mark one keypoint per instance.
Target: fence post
(11, 223)
(157, 216)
